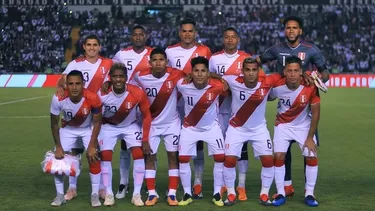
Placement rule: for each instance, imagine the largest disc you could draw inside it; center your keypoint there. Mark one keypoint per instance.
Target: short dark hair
(188, 21)
(118, 66)
(231, 29)
(293, 59)
(74, 73)
(158, 51)
(250, 60)
(138, 26)
(199, 60)
(293, 18)
(92, 37)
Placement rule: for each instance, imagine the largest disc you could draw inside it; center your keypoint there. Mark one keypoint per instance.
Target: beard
(296, 39)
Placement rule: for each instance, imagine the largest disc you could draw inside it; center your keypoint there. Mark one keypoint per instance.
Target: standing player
(135, 58)
(80, 109)
(229, 62)
(159, 82)
(248, 124)
(120, 121)
(293, 122)
(201, 122)
(95, 70)
(311, 57)
(179, 57)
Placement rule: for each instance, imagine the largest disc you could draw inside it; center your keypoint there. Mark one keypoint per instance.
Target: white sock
(230, 178)
(138, 175)
(279, 179)
(124, 166)
(288, 183)
(73, 182)
(150, 174)
(59, 183)
(185, 177)
(106, 167)
(243, 165)
(218, 176)
(267, 175)
(95, 181)
(311, 177)
(198, 167)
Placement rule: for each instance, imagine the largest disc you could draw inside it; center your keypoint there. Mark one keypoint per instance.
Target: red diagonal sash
(199, 51)
(80, 117)
(234, 69)
(123, 111)
(100, 74)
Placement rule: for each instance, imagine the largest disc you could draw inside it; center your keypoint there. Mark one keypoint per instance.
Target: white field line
(23, 100)
(23, 117)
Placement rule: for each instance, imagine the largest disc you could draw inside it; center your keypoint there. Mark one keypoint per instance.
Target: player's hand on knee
(147, 151)
(311, 146)
(59, 153)
(92, 154)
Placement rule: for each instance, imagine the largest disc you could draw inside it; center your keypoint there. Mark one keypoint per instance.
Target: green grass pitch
(346, 175)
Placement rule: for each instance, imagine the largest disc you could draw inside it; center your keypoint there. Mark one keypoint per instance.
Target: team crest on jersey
(210, 96)
(128, 105)
(261, 91)
(302, 55)
(303, 98)
(103, 70)
(169, 84)
(85, 111)
(196, 54)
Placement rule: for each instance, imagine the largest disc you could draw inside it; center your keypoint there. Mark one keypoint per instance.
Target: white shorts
(260, 140)
(170, 134)
(190, 136)
(224, 122)
(72, 138)
(284, 135)
(109, 135)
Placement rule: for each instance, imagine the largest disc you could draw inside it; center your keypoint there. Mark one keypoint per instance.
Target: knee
(137, 153)
(279, 159)
(267, 161)
(230, 161)
(219, 158)
(311, 161)
(172, 158)
(279, 156)
(106, 155)
(184, 158)
(95, 168)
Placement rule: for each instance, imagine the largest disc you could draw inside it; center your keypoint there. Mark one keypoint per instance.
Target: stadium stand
(43, 40)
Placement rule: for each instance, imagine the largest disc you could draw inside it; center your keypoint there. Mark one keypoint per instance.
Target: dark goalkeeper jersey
(310, 55)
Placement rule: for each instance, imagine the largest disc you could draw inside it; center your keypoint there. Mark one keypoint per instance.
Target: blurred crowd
(34, 40)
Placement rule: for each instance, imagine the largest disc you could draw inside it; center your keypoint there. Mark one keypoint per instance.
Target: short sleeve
(116, 58)
(268, 55)
(315, 97)
(69, 68)
(55, 106)
(96, 104)
(318, 59)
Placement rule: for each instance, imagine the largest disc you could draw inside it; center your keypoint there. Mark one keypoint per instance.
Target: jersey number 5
(129, 65)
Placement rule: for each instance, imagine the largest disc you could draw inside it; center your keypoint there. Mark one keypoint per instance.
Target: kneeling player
(120, 122)
(248, 124)
(201, 122)
(80, 109)
(293, 122)
(159, 82)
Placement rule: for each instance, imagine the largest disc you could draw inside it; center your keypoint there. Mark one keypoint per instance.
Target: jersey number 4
(285, 102)
(178, 63)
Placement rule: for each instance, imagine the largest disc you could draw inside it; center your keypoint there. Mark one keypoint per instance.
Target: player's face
(138, 38)
(158, 62)
(187, 33)
(91, 47)
(250, 72)
(292, 31)
(231, 40)
(292, 72)
(200, 74)
(74, 85)
(118, 79)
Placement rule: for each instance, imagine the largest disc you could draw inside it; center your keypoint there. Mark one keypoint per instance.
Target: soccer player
(248, 124)
(159, 82)
(95, 70)
(81, 109)
(135, 57)
(201, 122)
(293, 122)
(179, 57)
(311, 57)
(229, 62)
(120, 121)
